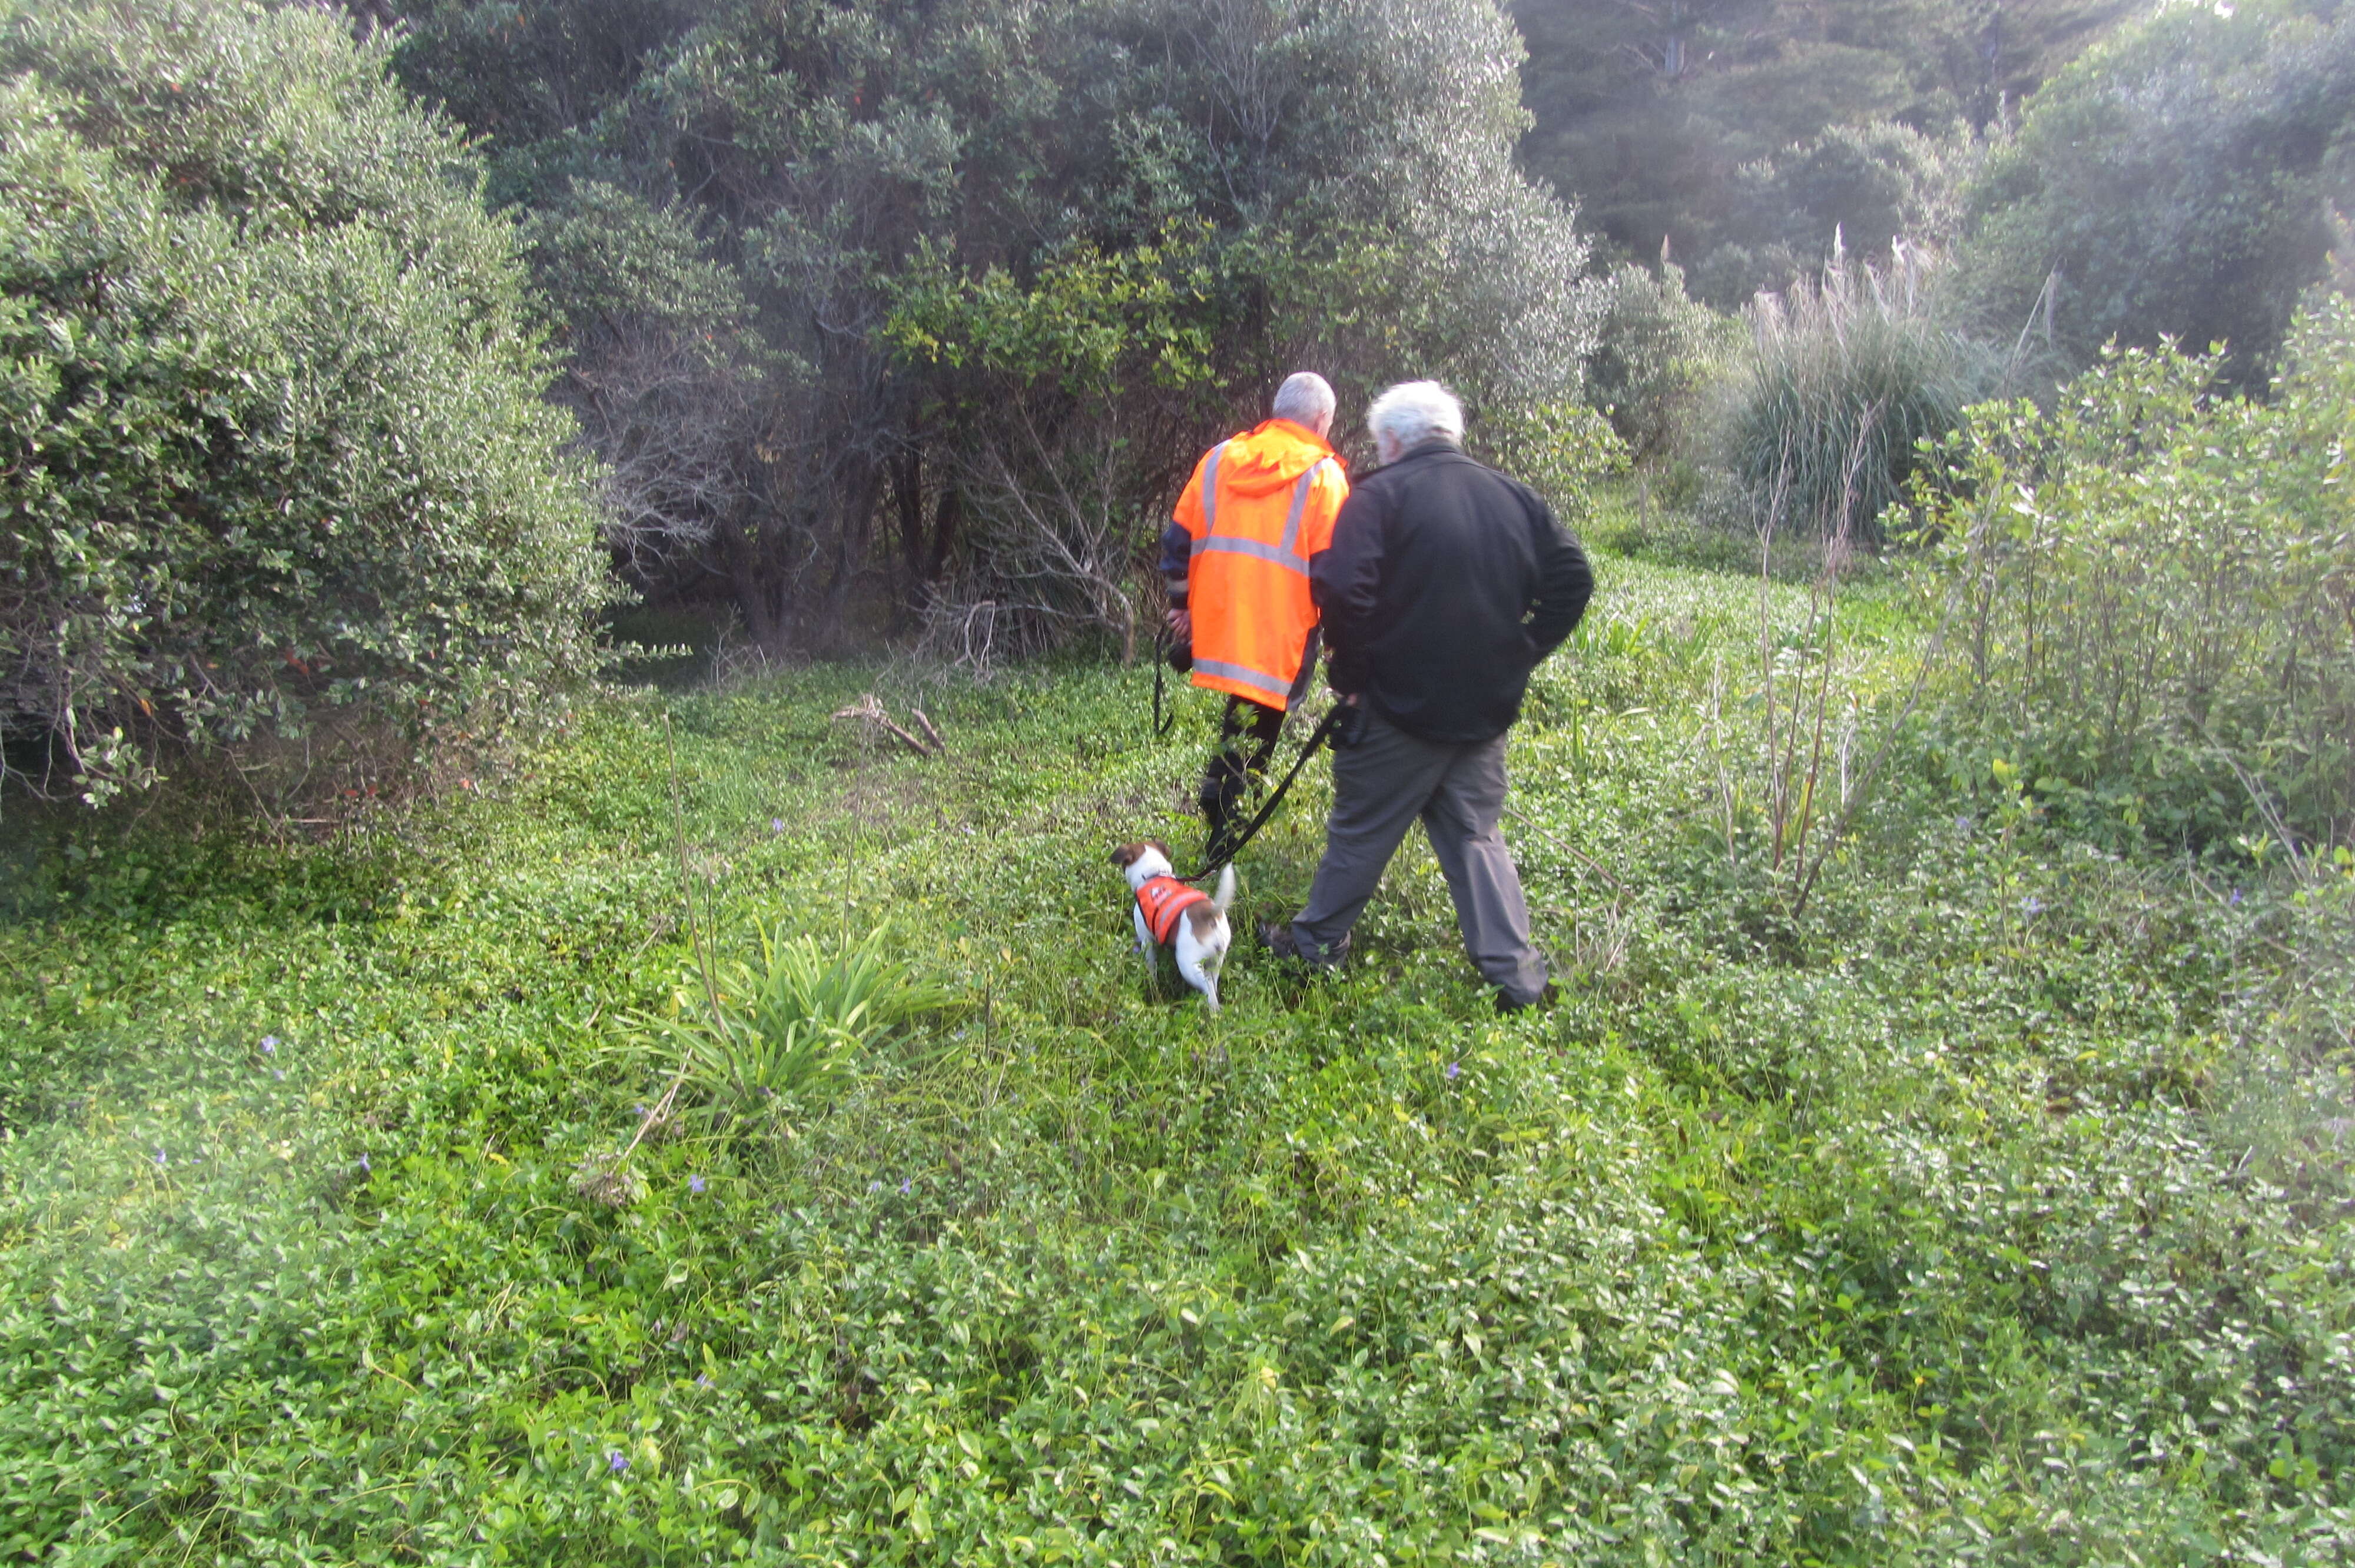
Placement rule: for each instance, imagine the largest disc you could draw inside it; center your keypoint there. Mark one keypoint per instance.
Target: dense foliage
(1994, 1211)
(2152, 596)
(1744, 132)
(274, 466)
(2178, 181)
(934, 304)
(1658, 350)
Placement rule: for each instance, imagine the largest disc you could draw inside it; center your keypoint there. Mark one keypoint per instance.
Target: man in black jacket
(1445, 585)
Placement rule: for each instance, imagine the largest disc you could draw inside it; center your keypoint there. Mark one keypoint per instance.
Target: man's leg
(1461, 819)
(1380, 786)
(1248, 732)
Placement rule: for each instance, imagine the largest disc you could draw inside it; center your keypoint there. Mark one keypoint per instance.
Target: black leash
(1308, 748)
(1161, 727)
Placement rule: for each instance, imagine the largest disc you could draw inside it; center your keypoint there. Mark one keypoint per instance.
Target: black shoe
(1278, 939)
(1546, 997)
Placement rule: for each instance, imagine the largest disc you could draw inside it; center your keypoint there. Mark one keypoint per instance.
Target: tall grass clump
(792, 1024)
(2155, 592)
(1821, 422)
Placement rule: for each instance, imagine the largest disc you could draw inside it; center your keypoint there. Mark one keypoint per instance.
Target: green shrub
(1822, 423)
(273, 466)
(2152, 587)
(1560, 449)
(1658, 348)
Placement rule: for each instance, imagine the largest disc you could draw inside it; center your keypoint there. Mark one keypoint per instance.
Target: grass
(1994, 1210)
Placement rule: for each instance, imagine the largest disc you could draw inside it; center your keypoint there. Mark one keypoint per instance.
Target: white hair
(1305, 399)
(1414, 412)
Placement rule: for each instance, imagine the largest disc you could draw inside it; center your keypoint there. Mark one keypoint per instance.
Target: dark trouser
(1248, 732)
(1379, 786)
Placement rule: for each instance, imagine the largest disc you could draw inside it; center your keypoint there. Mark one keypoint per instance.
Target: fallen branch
(870, 710)
(924, 724)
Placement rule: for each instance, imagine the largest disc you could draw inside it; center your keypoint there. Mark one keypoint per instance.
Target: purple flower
(2032, 904)
(903, 1186)
(269, 1045)
(616, 1462)
(160, 1160)
(278, 1073)
(1454, 1071)
(695, 1184)
(365, 1165)
(703, 1380)
(776, 825)
(2236, 899)
(875, 1186)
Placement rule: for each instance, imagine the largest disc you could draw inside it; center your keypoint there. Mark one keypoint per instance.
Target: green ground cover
(1993, 1207)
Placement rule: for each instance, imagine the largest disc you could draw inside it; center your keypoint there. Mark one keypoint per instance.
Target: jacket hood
(1270, 457)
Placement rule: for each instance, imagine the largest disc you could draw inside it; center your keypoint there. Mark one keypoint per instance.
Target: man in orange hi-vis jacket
(1259, 508)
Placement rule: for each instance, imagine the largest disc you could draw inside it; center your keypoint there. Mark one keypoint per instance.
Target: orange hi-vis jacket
(1163, 899)
(1258, 507)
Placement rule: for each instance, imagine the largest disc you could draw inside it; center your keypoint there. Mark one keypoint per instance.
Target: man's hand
(1180, 623)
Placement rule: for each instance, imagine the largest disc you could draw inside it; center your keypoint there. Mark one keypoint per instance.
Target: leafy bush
(2152, 589)
(1823, 420)
(276, 464)
(1655, 350)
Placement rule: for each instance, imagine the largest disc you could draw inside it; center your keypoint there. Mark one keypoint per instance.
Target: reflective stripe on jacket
(1164, 899)
(1259, 508)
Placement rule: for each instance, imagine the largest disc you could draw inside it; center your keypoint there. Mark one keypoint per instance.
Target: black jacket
(1445, 585)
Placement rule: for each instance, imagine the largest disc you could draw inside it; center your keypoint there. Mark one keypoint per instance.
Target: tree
(1650, 113)
(273, 462)
(1860, 188)
(892, 196)
(2172, 184)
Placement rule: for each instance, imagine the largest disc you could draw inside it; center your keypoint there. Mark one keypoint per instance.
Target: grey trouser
(1379, 786)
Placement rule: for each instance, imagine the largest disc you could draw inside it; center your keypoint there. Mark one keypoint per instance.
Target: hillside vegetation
(1992, 1209)
(475, 1093)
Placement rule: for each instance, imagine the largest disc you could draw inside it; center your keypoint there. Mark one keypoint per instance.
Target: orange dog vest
(1164, 899)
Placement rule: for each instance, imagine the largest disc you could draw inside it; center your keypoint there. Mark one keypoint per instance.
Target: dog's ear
(1159, 848)
(1125, 855)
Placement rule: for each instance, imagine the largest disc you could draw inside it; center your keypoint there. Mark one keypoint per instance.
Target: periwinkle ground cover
(1992, 1210)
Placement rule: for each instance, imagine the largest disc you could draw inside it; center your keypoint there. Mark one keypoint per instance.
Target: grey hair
(1414, 412)
(1304, 398)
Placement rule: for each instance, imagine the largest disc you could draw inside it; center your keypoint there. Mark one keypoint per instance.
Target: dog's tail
(1226, 893)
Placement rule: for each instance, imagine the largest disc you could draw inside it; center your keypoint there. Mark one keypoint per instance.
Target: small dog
(1191, 923)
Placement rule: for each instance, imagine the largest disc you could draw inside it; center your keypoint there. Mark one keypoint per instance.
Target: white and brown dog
(1188, 922)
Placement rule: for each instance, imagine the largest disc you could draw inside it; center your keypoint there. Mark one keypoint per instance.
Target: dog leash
(1161, 727)
(1323, 733)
